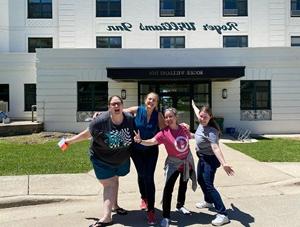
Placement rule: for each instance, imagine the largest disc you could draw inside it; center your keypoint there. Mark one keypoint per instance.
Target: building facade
(238, 56)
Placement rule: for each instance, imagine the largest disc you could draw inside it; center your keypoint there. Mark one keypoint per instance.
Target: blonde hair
(157, 97)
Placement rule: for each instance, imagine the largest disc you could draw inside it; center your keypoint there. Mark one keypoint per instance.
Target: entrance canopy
(220, 73)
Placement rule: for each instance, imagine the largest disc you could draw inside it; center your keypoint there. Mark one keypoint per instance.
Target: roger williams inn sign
(174, 26)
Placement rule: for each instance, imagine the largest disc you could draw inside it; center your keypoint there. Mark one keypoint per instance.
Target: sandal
(119, 211)
(100, 224)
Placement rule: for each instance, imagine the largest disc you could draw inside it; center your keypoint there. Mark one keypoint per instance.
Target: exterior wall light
(123, 94)
(224, 93)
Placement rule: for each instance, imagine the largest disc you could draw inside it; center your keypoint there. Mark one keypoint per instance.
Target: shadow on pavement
(137, 218)
(236, 214)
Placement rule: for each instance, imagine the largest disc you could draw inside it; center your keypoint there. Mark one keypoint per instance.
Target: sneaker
(165, 222)
(144, 204)
(151, 217)
(183, 210)
(204, 204)
(220, 219)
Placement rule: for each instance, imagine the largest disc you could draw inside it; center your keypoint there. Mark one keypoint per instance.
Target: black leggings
(168, 190)
(145, 163)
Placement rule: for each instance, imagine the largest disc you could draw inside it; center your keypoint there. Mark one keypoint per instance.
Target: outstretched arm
(84, 135)
(148, 142)
(196, 109)
(131, 110)
(219, 154)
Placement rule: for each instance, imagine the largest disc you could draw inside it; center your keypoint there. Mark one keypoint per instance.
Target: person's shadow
(137, 218)
(236, 214)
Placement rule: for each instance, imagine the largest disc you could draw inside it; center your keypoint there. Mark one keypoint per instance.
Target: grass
(271, 150)
(23, 157)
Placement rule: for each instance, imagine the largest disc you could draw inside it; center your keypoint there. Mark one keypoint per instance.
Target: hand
(228, 169)
(185, 125)
(96, 114)
(137, 137)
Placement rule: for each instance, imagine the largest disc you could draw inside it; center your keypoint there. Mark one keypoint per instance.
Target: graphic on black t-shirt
(118, 139)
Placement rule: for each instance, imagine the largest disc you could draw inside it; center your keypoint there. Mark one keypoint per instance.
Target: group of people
(119, 133)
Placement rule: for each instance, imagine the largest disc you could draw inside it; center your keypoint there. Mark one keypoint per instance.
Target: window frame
(108, 11)
(295, 8)
(109, 39)
(236, 11)
(253, 91)
(39, 12)
(29, 95)
(176, 12)
(94, 95)
(4, 93)
(171, 37)
(38, 39)
(238, 41)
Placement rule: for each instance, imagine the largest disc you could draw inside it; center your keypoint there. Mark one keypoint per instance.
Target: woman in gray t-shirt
(210, 158)
(112, 138)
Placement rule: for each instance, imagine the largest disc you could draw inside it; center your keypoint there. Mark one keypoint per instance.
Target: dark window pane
(172, 8)
(30, 96)
(39, 9)
(108, 8)
(255, 95)
(235, 8)
(109, 42)
(34, 43)
(4, 93)
(295, 41)
(235, 41)
(172, 42)
(92, 96)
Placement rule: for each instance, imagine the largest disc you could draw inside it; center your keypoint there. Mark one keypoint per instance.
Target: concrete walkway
(260, 194)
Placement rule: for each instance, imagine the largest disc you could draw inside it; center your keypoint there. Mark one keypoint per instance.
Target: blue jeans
(206, 170)
(145, 164)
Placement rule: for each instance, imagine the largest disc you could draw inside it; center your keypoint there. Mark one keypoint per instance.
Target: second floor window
(295, 8)
(39, 9)
(109, 42)
(172, 42)
(34, 43)
(234, 8)
(235, 41)
(295, 41)
(172, 8)
(108, 8)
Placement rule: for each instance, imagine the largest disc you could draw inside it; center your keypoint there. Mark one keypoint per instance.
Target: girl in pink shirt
(179, 162)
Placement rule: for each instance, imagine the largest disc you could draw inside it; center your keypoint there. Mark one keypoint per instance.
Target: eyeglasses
(115, 103)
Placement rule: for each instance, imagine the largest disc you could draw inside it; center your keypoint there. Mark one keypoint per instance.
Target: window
(233, 8)
(235, 41)
(295, 8)
(29, 96)
(172, 8)
(255, 100)
(109, 42)
(34, 43)
(108, 8)
(172, 42)
(92, 96)
(4, 93)
(39, 9)
(295, 41)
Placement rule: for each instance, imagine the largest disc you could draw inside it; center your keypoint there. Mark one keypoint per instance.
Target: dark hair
(113, 96)
(212, 122)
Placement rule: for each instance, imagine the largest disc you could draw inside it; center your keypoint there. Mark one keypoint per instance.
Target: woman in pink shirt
(180, 161)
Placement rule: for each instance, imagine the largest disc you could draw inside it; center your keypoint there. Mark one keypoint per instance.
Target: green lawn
(42, 158)
(271, 150)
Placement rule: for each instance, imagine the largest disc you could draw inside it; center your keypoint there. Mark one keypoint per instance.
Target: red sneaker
(144, 204)
(151, 217)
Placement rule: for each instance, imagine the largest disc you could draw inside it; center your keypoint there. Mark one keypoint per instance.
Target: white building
(253, 86)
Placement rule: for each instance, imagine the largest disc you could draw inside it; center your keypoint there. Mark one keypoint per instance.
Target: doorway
(179, 95)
